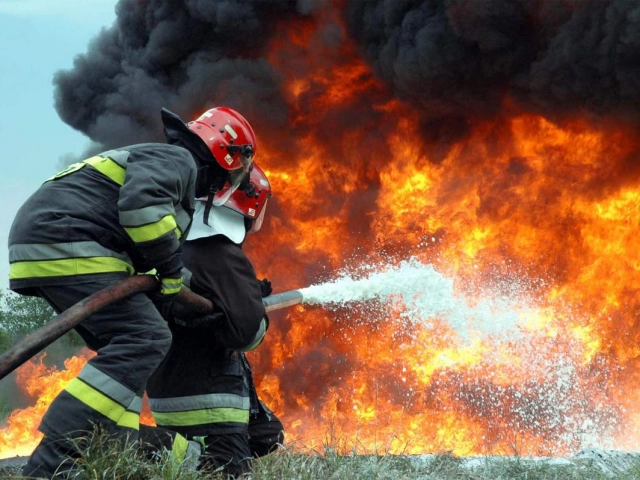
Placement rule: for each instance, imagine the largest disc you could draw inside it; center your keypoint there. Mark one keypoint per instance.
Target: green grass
(103, 460)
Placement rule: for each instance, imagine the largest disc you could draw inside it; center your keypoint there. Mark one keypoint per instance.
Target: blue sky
(37, 38)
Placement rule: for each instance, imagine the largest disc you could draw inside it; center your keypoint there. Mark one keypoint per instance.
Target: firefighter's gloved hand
(170, 275)
(210, 320)
(185, 316)
(265, 287)
(163, 303)
(169, 284)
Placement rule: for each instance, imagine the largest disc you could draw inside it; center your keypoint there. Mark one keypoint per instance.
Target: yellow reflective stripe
(111, 387)
(171, 286)
(68, 266)
(103, 404)
(153, 230)
(179, 448)
(74, 167)
(201, 417)
(108, 167)
(130, 420)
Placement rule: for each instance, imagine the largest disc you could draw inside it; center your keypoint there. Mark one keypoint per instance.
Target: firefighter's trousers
(209, 396)
(131, 338)
(230, 452)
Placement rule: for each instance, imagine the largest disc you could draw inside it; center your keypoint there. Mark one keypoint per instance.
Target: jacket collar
(178, 133)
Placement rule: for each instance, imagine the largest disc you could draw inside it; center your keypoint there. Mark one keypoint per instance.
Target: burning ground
(493, 140)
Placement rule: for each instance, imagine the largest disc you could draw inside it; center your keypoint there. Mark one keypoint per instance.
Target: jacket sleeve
(158, 188)
(222, 272)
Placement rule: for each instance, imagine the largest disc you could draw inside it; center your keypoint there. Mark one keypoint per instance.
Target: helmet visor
(236, 178)
(257, 223)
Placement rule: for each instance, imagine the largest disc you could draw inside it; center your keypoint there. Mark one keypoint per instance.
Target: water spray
(423, 293)
(426, 294)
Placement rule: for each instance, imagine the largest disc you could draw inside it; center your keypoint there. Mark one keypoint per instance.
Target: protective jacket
(109, 216)
(201, 387)
(119, 212)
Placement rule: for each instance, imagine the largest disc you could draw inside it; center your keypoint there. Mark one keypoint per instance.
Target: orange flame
(41, 383)
(520, 200)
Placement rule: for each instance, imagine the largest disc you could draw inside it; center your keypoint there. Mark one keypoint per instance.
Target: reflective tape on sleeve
(146, 215)
(152, 231)
(170, 286)
(108, 167)
(257, 340)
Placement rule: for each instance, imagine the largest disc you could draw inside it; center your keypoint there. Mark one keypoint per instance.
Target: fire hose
(67, 320)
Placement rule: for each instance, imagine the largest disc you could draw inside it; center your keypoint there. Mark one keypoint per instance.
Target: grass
(104, 460)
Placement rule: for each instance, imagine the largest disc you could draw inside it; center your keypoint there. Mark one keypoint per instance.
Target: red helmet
(231, 141)
(252, 200)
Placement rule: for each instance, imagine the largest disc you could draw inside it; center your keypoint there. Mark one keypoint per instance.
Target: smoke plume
(183, 55)
(455, 60)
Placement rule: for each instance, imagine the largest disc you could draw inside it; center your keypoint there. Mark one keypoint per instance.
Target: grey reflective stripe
(53, 251)
(186, 277)
(146, 215)
(257, 340)
(194, 450)
(197, 402)
(135, 405)
(118, 156)
(183, 219)
(111, 388)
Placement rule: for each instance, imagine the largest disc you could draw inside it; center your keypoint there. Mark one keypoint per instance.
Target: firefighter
(204, 389)
(119, 213)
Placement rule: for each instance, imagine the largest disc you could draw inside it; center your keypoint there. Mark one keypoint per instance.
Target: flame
(548, 208)
(518, 199)
(42, 383)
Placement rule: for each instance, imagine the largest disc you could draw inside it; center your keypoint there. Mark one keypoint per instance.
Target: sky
(38, 38)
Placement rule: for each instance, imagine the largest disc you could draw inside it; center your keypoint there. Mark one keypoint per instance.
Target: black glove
(210, 320)
(169, 276)
(265, 287)
(186, 316)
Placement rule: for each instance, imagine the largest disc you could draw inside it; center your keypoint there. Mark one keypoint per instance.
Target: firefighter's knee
(162, 339)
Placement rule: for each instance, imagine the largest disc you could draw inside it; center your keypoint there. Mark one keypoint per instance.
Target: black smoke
(186, 55)
(454, 60)
(467, 57)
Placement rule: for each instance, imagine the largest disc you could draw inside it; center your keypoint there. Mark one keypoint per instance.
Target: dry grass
(103, 460)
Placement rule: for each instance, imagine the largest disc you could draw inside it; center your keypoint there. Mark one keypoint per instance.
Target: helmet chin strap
(209, 182)
(202, 181)
(207, 208)
(215, 185)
